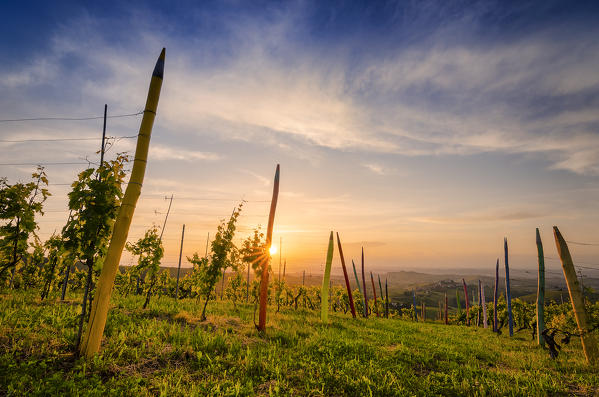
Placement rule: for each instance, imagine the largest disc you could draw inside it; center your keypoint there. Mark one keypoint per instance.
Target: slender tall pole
(496, 297)
(349, 294)
(166, 217)
(589, 342)
(266, 261)
(467, 302)
(484, 305)
(304, 278)
(207, 240)
(540, 291)
(247, 286)
(100, 305)
(508, 294)
(284, 268)
(280, 256)
(446, 310)
(414, 305)
(376, 308)
(386, 300)
(179, 266)
(364, 285)
(457, 300)
(103, 136)
(356, 276)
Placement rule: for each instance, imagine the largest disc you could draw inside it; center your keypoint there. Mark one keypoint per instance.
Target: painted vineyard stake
(324, 294)
(589, 342)
(423, 314)
(496, 296)
(179, 266)
(349, 294)
(356, 276)
(100, 304)
(364, 287)
(540, 291)
(267, 258)
(508, 295)
(457, 299)
(467, 302)
(376, 307)
(380, 286)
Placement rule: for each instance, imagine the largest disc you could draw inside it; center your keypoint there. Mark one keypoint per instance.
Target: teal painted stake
(364, 286)
(457, 299)
(356, 276)
(508, 294)
(380, 286)
(540, 291)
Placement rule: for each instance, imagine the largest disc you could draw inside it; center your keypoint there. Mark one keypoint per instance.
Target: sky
(423, 131)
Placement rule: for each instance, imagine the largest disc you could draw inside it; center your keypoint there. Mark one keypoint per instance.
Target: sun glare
(273, 249)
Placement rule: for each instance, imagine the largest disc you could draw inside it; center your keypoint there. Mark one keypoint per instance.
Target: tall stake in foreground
(324, 292)
(266, 260)
(508, 295)
(540, 291)
(467, 302)
(496, 296)
(349, 294)
(364, 285)
(589, 343)
(99, 310)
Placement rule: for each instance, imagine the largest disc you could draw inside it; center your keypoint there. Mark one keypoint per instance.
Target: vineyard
(74, 321)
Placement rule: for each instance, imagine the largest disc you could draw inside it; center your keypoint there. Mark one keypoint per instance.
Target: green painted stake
(540, 292)
(380, 286)
(356, 276)
(364, 285)
(457, 298)
(324, 295)
(386, 300)
(508, 295)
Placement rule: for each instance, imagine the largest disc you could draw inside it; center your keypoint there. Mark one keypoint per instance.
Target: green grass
(166, 350)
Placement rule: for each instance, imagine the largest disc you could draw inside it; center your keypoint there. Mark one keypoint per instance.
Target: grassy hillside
(167, 350)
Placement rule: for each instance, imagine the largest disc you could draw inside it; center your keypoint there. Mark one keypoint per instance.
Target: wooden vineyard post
(364, 287)
(414, 305)
(349, 294)
(484, 305)
(179, 266)
(446, 311)
(324, 292)
(589, 342)
(386, 300)
(496, 296)
(467, 302)
(508, 295)
(376, 308)
(540, 291)
(101, 302)
(457, 299)
(266, 260)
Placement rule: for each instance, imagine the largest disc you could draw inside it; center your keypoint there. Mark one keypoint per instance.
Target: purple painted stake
(495, 296)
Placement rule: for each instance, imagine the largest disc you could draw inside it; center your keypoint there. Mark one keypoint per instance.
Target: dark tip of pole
(538, 236)
(159, 68)
(277, 173)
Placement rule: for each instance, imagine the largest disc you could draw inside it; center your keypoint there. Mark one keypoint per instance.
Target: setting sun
(272, 249)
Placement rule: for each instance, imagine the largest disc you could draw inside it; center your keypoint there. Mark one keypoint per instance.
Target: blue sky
(425, 131)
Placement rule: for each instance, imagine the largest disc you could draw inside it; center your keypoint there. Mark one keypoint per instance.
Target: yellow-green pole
(589, 343)
(324, 298)
(99, 309)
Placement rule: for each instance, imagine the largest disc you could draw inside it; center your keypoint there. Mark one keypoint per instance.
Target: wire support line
(52, 163)
(70, 118)
(118, 138)
(579, 243)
